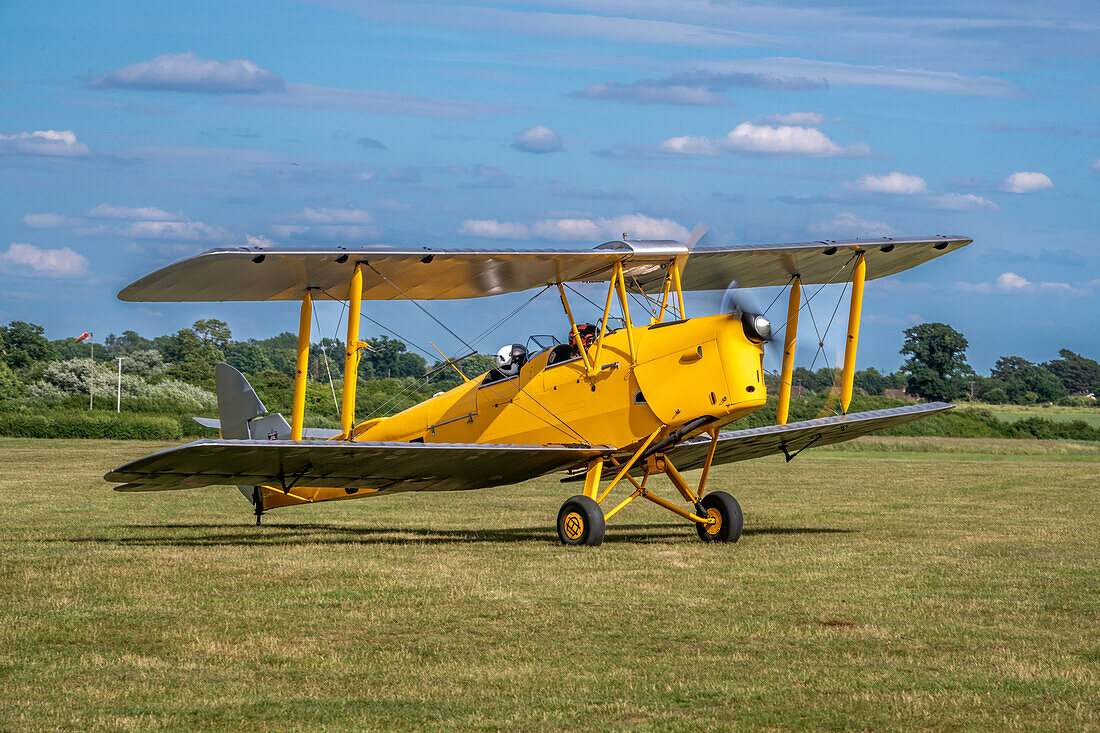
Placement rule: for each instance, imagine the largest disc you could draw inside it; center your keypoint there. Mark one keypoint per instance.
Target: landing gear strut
(717, 516)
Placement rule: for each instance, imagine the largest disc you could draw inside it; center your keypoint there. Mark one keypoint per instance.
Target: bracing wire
(471, 348)
(805, 304)
(324, 351)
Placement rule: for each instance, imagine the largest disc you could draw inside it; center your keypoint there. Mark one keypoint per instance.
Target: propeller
(735, 301)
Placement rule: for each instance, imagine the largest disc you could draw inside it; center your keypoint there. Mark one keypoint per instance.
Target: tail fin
(244, 417)
(237, 402)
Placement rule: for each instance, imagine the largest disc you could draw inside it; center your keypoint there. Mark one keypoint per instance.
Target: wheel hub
(573, 525)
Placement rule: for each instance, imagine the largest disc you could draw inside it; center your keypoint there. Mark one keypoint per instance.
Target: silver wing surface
(284, 273)
(386, 467)
(744, 445)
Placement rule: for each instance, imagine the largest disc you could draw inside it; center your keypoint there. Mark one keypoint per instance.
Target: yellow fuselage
(702, 367)
(685, 370)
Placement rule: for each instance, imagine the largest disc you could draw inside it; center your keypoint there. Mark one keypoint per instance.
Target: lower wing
(381, 467)
(744, 445)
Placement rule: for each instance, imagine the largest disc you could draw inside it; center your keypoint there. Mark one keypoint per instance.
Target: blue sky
(132, 134)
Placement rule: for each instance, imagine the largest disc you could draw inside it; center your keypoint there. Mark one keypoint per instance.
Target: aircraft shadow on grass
(329, 534)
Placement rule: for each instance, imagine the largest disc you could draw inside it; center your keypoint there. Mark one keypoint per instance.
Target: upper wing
(265, 273)
(743, 445)
(387, 467)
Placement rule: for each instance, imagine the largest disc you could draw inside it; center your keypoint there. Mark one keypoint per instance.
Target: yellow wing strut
(301, 370)
(848, 376)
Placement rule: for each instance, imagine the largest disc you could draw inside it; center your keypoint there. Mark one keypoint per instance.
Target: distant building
(899, 394)
(1087, 395)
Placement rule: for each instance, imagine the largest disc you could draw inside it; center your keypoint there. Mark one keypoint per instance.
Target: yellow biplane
(613, 403)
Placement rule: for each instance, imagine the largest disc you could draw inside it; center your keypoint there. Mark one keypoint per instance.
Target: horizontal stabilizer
(308, 433)
(744, 445)
(388, 467)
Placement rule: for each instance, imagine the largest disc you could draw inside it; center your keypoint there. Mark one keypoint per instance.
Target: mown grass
(890, 590)
(1054, 413)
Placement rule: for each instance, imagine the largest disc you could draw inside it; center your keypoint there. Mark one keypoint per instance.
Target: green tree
(388, 358)
(128, 343)
(212, 332)
(23, 345)
(1006, 366)
(186, 346)
(936, 367)
(1033, 383)
(246, 357)
(1077, 373)
(871, 380)
(10, 386)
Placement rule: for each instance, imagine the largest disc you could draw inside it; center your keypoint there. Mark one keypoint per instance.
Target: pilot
(587, 332)
(510, 358)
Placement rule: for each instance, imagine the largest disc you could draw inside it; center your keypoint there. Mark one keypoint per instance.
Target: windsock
(82, 337)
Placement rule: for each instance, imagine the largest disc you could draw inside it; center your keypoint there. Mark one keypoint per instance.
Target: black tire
(727, 511)
(580, 522)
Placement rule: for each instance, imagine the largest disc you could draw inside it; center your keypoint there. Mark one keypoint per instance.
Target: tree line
(935, 367)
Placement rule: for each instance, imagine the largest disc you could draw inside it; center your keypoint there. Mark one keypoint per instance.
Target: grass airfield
(897, 584)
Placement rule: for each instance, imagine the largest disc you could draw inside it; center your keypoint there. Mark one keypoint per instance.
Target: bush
(1037, 427)
(89, 425)
(63, 379)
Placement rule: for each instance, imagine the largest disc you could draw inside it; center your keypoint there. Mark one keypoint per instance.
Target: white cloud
(578, 228)
(56, 143)
(689, 145)
(753, 139)
(696, 88)
(1026, 182)
(1096, 165)
(185, 231)
(143, 222)
(849, 223)
(186, 72)
(841, 74)
(650, 93)
(894, 182)
(349, 215)
(257, 240)
(393, 205)
(27, 259)
(493, 229)
(963, 202)
(43, 221)
(327, 225)
(802, 119)
(635, 226)
(1011, 283)
(538, 139)
(308, 96)
(788, 140)
(141, 213)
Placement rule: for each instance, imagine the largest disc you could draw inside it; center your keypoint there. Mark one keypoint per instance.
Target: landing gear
(726, 512)
(581, 522)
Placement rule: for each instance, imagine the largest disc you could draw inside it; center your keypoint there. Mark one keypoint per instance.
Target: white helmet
(510, 358)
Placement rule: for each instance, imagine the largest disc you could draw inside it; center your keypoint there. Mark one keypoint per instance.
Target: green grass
(896, 588)
(1054, 413)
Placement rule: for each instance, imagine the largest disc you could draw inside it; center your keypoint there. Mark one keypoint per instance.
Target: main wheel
(580, 522)
(727, 515)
